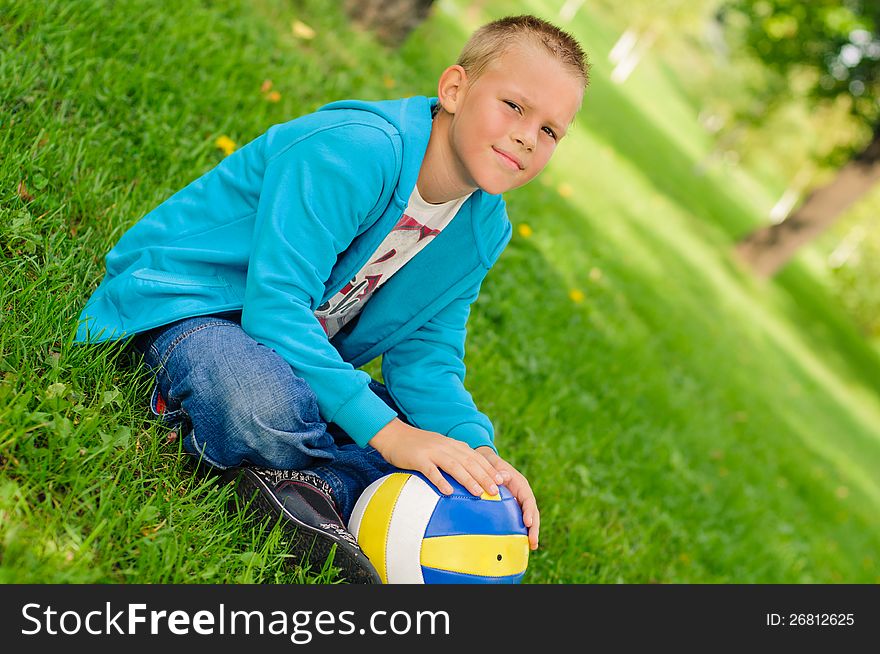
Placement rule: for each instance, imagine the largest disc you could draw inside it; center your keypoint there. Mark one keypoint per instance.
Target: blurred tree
(832, 49)
(391, 20)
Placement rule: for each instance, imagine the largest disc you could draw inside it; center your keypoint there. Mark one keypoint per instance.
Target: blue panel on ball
(434, 576)
(465, 513)
(457, 489)
(457, 516)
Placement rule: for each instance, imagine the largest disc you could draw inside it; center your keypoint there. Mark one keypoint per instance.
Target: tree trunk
(768, 249)
(391, 20)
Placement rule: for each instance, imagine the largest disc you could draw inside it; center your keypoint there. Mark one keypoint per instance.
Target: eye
(550, 133)
(513, 105)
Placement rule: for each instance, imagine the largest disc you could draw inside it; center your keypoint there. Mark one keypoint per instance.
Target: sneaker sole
(309, 545)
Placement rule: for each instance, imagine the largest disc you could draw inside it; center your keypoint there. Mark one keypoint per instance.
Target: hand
(521, 490)
(428, 452)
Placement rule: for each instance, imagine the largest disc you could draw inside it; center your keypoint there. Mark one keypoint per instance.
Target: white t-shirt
(420, 223)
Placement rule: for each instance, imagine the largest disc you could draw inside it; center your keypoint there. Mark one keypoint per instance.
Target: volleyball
(414, 534)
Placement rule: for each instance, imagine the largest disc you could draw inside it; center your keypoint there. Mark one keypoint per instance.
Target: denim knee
(242, 400)
(273, 423)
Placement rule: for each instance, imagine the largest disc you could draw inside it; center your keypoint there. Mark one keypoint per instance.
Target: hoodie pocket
(162, 277)
(149, 296)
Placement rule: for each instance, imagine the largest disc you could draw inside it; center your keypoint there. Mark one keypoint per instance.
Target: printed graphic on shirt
(420, 224)
(408, 223)
(402, 243)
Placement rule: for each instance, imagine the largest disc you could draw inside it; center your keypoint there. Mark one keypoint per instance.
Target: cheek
(543, 155)
(498, 122)
(460, 139)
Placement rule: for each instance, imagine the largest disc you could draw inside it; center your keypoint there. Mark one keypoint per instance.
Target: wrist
(385, 437)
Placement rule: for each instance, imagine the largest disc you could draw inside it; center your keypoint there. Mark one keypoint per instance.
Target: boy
(256, 292)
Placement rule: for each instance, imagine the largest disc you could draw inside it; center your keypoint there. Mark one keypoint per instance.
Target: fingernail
(499, 479)
(476, 490)
(493, 490)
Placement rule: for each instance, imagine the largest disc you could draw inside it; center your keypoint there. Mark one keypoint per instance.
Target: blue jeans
(237, 402)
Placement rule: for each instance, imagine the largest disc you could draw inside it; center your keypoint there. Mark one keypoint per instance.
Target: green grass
(680, 423)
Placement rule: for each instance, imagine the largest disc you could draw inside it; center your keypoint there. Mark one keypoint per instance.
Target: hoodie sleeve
(425, 375)
(316, 195)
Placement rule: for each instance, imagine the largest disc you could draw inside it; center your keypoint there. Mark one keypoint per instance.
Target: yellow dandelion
(273, 96)
(595, 274)
(226, 144)
(576, 295)
(302, 31)
(565, 190)
(524, 230)
(266, 86)
(389, 82)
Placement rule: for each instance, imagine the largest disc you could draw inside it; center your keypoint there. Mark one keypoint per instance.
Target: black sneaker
(310, 517)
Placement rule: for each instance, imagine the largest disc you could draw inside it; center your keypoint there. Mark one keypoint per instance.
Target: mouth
(508, 159)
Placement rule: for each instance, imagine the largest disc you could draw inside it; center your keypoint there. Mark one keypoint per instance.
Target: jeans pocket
(162, 409)
(178, 338)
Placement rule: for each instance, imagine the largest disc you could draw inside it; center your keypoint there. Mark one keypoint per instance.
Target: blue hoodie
(279, 226)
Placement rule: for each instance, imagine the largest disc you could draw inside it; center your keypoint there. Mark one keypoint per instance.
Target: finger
(435, 477)
(519, 489)
(489, 470)
(491, 467)
(530, 512)
(463, 476)
(523, 492)
(482, 475)
(536, 527)
(532, 520)
(533, 538)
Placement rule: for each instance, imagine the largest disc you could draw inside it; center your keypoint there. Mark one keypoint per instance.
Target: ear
(451, 88)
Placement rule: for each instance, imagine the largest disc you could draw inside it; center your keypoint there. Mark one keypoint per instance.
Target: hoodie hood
(411, 117)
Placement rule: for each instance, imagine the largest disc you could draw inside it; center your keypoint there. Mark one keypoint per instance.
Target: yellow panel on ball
(377, 518)
(412, 533)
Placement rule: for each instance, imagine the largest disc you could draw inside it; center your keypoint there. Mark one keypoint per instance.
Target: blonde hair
(493, 39)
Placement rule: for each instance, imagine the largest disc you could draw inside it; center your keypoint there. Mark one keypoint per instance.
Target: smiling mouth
(509, 161)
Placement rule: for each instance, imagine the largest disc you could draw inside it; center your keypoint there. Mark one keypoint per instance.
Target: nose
(525, 139)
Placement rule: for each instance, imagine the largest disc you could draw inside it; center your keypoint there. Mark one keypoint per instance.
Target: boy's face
(506, 124)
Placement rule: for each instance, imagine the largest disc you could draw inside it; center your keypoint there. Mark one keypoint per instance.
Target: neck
(440, 179)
